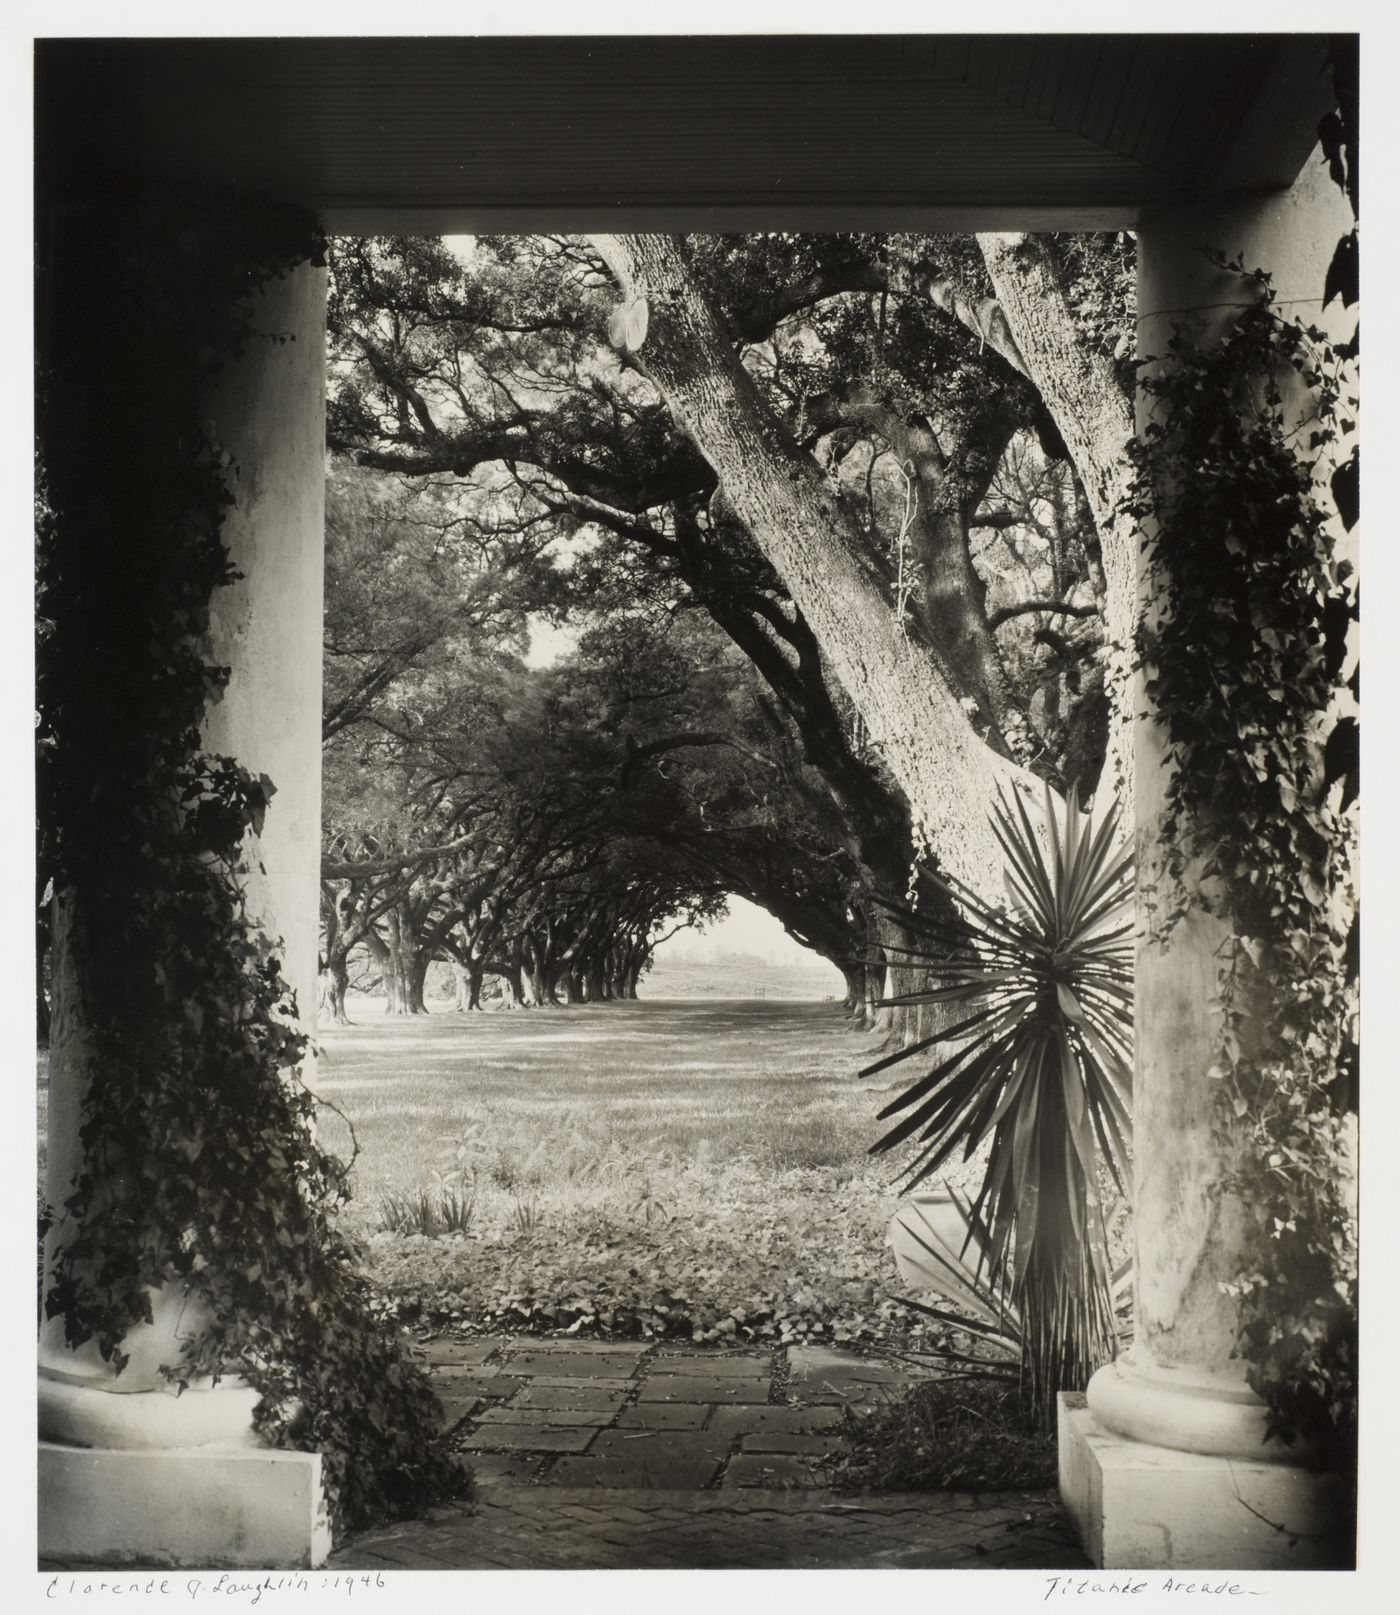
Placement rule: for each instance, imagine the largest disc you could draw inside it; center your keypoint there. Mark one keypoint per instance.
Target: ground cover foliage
(959, 1434)
(695, 1171)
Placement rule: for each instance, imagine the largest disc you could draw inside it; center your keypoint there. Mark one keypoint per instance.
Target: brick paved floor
(600, 1454)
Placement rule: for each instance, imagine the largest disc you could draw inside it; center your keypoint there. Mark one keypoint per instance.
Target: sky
(548, 643)
(747, 929)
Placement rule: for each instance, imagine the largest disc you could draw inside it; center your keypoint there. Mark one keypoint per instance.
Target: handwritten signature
(1131, 1586)
(227, 1585)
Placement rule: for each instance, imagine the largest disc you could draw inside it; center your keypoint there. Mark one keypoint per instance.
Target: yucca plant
(983, 1338)
(1040, 1072)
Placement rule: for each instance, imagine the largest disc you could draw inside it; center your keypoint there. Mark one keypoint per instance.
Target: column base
(1142, 1507)
(206, 1507)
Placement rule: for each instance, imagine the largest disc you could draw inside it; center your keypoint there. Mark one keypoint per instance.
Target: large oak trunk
(1094, 416)
(899, 684)
(336, 985)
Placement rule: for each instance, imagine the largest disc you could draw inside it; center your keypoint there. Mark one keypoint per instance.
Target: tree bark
(947, 482)
(545, 973)
(596, 979)
(378, 949)
(337, 979)
(633, 963)
(900, 686)
(403, 970)
(416, 978)
(514, 978)
(1094, 415)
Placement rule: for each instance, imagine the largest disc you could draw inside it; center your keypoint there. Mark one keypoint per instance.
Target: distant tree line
(544, 827)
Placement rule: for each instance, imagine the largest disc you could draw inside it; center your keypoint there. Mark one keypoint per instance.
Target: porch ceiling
(457, 133)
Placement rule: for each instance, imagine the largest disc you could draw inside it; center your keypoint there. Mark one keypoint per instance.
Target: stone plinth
(220, 1507)
(1137, 1506)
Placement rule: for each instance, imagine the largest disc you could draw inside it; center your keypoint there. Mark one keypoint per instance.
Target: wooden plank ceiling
(1006, 127)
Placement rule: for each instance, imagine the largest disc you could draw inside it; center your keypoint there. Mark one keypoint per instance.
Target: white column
(270, 414)
(128, 1471)
(1167, 1465)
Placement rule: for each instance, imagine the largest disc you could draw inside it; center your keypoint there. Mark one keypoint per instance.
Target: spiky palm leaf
(983, 1316)
(1040, 1071)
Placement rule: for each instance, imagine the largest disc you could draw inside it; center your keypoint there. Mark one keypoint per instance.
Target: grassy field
(815, 981)
(579, 1106)
(695, 1168)
(692, 1168)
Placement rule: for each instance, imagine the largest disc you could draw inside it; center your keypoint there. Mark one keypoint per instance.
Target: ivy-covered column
(148, 1451)
(1178, 1459)
(265, 626)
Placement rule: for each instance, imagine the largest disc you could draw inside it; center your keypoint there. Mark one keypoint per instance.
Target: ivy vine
(201, 1166)
(1245, 653)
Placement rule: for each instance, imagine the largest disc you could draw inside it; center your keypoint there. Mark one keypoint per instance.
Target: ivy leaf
(257, 803)
(1346, 490)
(1343, 278)
(1341, 760)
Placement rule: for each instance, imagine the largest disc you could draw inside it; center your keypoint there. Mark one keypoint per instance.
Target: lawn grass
(693, 1168)
(812, 981)
(581, 1106)
(689, 1168)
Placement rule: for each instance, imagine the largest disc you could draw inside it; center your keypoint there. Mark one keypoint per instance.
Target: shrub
(428, 1211)
(955, 1434)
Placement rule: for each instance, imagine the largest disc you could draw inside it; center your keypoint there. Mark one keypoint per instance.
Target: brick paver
(823, 1362)
(576, 1349)
(697, 1388)
(557, 1364)
(781, 1441)
(482, 1382)
(595, 1417)
(661, 1470)
(747, 1366)
(457, 1352)
(533, 1437)
(740, 1421)
(496, 1387)
(497, 1468)
(773, 1469)
(548, 1394)
(538, 1528)
(666, 1416)
(655, 1445)
(602, 1454)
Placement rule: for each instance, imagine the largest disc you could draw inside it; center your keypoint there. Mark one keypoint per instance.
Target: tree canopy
(843, 555)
